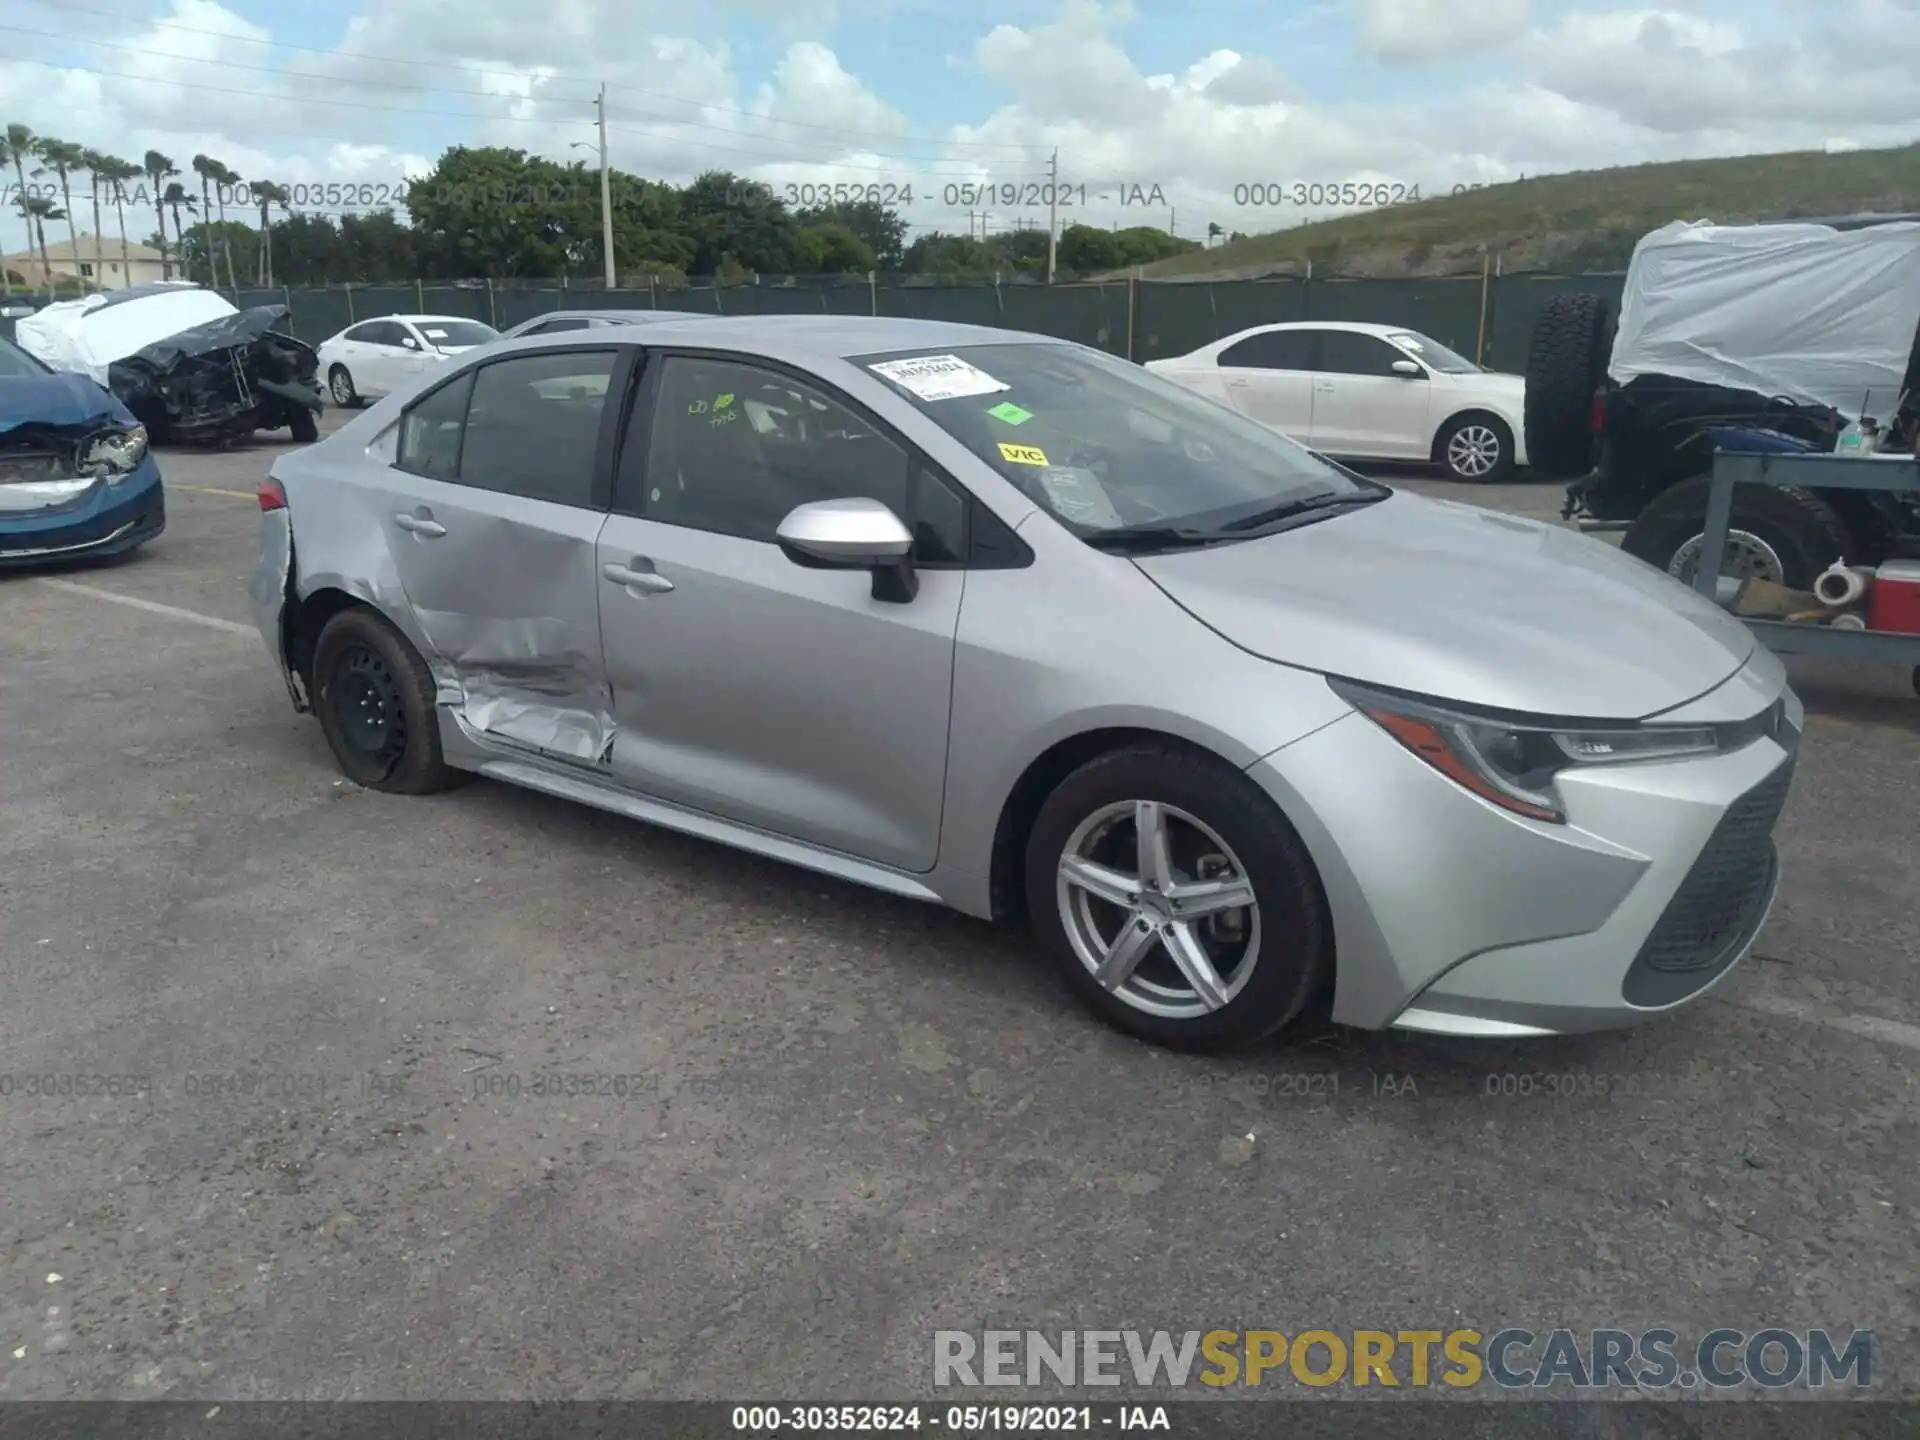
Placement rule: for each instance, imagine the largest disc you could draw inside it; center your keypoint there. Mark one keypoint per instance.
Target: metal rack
(1806, 472)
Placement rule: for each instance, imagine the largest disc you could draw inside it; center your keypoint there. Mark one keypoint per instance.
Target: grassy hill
(1587, 220)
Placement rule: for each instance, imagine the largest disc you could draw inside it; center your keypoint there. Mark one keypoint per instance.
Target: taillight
(273, 495)
(1599, 412)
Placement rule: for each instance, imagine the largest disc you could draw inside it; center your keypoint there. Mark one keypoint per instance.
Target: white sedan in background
(1365, 392)
(376, 357)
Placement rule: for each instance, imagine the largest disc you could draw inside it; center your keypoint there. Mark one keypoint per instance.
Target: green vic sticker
(1011, 413)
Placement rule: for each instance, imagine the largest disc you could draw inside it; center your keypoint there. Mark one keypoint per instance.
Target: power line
(441, 67)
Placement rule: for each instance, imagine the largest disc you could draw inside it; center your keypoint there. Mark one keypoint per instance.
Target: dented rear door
(497, 500)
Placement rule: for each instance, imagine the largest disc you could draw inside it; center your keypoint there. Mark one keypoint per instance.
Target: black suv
(1641, 454)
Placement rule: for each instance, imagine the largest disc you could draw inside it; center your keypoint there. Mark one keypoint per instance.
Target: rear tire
(1475, 449)
(1790, 531)
(305, 428)
(374, 698)
(340, 387)
(1263, 962)
(1566, 363)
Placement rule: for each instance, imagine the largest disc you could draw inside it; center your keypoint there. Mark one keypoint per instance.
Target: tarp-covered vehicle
(194, 369)
(1748, 337)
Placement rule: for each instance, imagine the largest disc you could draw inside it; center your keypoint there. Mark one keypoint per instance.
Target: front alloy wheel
(1176, 898)
(1159, 909)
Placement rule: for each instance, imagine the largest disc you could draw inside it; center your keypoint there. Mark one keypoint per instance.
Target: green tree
(36, 210)
(379, 247)
(15, 148)
(949, 257)
(726, 216)
(176, 198)
(501, 213)
(882, 230)
(1086, 250)
(267, 194)
(116, 172)
(206, 167)
(94, 163)
(832, 249)
(63, 158)
(160, 169)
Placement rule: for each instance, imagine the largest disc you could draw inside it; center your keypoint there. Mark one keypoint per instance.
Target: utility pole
(970, 230)
(1053, 212)
(606, 191)
(1173, 221)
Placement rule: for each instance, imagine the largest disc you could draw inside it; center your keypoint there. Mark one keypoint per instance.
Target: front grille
(1715, 910)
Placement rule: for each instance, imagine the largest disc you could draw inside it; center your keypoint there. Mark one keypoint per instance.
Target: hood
(56, 400)
(1458, 603)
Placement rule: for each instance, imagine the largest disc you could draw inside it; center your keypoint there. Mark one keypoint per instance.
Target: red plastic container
(1893, 602)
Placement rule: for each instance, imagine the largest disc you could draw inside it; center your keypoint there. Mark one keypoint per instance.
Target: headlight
(1512, 763)
(113, 452)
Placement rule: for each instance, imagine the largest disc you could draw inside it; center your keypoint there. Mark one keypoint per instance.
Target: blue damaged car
(77, 478)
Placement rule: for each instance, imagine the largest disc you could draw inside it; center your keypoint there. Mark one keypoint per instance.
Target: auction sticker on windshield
(1022, 454)
(939, 377)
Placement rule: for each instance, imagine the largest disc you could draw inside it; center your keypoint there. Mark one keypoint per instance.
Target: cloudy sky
(1161, 111)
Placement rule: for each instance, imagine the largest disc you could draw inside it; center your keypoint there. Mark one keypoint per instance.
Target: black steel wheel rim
(367, 708)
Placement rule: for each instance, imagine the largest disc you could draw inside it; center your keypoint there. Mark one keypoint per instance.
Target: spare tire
(1566, 363)
(1777, 534)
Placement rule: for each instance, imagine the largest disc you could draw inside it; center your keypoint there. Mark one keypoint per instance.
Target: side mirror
(853, 534)
(1408, 369)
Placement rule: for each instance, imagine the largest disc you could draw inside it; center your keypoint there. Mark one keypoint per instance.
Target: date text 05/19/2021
(950, 1419)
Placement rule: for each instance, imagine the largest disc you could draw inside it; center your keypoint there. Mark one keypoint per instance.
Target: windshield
(17, 364)
(451, 334)
(1433, 353)
(1103, 445)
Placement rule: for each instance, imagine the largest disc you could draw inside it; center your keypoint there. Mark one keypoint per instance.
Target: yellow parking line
(210, 490)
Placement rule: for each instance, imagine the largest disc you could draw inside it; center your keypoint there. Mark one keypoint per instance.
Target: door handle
(648, 581)
(414, 524)
(1237, 382)
(1324, 389)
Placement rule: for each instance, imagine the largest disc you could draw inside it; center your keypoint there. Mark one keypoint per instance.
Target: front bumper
(110, 519)
(1453, 916)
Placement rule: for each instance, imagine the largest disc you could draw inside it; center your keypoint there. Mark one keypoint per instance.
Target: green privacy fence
(1488, 315)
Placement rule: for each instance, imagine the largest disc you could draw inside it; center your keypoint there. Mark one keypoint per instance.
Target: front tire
(340, 387)
(374, 697)
(1781, 535)
(1476, 449)
(305, 428)
(1177, 900)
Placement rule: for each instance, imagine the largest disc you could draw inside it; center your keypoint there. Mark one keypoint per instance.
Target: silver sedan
(998, 621)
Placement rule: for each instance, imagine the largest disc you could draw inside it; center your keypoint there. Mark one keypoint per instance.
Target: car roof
(1359, 327)
(826, 337)
(423, 319)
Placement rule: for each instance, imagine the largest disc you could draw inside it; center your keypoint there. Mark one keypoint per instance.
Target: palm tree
(92, 161)
(159, 169)
(116, 173)
(19, 145)
(175, 197)
(37, 210)
(269, 195)
(223, 181)
(63, 157)
(204, 166)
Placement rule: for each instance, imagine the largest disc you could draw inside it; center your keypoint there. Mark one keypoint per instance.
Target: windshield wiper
(1133, 539)
(1287, 509)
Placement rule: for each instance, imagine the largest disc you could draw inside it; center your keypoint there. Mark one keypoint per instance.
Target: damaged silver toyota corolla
(1005, 623)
